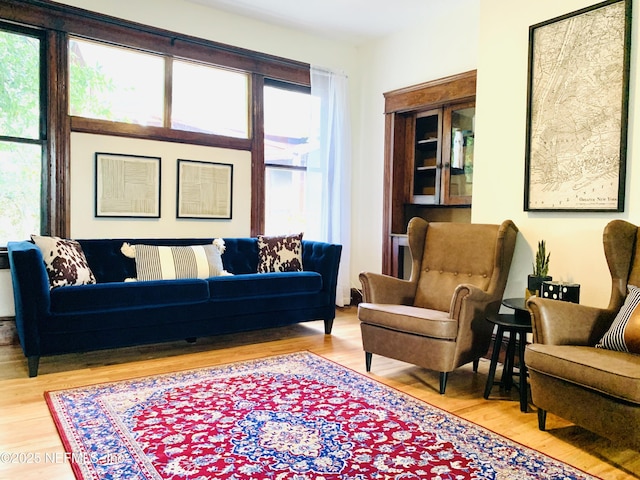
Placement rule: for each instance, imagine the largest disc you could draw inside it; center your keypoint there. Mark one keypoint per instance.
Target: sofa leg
(367, 360)
(328, 325)
(542, 419)
(33, 362)
(476, 363)
(443, 382)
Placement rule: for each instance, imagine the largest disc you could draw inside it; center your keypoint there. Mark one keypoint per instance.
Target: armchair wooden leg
(367, 360)
(542, 419)
(476, 362)
(443, 382)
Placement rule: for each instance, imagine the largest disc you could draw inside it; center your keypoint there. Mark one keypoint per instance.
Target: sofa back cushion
(109, 264)
(240, 256)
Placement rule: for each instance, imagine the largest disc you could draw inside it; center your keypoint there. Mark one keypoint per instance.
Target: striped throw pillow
(624, 333)
(169, 263)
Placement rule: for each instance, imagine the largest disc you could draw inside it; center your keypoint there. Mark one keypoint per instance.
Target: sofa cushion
(65, 261)
(155, 262)
(624, 333)
(613, 373)
(405, 318)
(280, 254)
(264, 284)
(112, 296)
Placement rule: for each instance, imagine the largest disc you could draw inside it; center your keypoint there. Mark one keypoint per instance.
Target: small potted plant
(540, 270)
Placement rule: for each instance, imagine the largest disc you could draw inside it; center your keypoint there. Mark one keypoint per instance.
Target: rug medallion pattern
(292, 417)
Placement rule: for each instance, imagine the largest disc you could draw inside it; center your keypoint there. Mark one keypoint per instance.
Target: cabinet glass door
(426, 172)
(459, 169)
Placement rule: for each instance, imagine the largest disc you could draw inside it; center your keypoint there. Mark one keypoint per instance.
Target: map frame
(577, 110)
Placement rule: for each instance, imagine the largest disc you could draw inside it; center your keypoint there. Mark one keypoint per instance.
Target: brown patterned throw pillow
(280, 254)
(65, 261)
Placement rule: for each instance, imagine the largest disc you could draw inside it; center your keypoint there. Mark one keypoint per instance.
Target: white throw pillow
(155, 262)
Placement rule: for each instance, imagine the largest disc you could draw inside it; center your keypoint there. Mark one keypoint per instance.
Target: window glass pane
(116, 84)
(20, 177)
(284, 201)
(210, 100)
(19, 85)
(287, 126)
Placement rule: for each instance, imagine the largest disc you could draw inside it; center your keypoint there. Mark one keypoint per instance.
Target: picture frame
(205, 190)
(127, 186)
(577, 110)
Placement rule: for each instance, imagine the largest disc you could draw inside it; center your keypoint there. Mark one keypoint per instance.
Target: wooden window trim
(61, 21)
(92, 25)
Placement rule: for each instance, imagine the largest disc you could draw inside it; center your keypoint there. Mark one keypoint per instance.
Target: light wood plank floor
(26, 427)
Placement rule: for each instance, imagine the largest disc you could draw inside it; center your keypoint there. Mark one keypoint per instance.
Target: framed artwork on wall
(205, 189)
(577, 110)
(127, 186)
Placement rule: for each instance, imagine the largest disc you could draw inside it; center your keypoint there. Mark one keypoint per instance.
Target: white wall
(85, 225)
(574, 239)
(441, 45)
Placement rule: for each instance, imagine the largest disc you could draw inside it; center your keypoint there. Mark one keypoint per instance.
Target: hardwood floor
(27, 430)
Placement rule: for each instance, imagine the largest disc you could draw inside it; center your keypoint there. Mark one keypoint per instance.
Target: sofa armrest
(378, 288)
(30, 292)
(323, 258)
(565, 323)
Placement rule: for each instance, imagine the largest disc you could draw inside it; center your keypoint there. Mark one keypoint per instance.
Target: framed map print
(577, 108)
(205, 189)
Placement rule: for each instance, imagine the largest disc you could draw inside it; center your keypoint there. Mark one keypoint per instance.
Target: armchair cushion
(616, 374)
(624, 333)
(412, 320)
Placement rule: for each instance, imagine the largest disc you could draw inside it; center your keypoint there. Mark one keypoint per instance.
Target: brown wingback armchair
(592, 387)
(437, 318)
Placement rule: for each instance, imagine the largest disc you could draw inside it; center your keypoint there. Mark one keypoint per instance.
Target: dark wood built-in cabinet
(429, 143)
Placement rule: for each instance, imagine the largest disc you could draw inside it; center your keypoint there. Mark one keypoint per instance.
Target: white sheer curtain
(328, 189)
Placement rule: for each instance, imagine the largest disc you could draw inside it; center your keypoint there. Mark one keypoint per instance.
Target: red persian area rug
(290, 417)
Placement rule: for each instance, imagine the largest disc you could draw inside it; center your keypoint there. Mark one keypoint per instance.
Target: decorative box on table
(567, 292)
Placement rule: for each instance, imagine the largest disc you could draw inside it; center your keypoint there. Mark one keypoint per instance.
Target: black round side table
(517, 324)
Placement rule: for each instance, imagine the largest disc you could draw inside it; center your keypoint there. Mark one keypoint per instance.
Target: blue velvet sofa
(114, 313)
